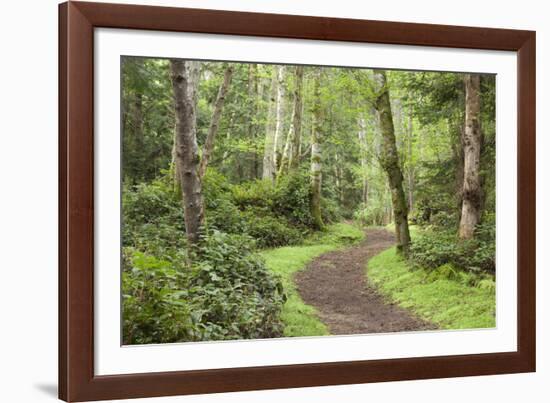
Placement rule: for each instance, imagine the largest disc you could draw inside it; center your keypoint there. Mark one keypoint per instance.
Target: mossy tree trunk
(185, 77)
(389, 159)
(471, 190)
(316, 154)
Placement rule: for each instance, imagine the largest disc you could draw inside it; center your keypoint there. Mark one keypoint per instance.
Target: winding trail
(335, 283)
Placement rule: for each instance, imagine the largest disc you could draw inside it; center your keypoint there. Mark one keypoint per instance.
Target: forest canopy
(222, 161)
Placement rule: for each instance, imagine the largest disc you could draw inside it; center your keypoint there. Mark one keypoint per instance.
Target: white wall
(28, 201)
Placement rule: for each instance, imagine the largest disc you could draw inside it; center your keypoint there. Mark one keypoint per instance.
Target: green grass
(450, 299)
(301, 319)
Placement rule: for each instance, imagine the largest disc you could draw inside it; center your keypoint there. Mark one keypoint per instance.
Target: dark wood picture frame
(77, 381)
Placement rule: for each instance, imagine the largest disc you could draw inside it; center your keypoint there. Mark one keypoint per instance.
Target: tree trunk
(471, 191)
(458, 156)
(215, 121)
(362, 134)
(339, 179)
(278, 116)
(294, 161)
(410, 163)
(389, 160)
(316, 155)
(253, 110)
(185, 78)
(285, 157)
(176, 178)
(269, 164)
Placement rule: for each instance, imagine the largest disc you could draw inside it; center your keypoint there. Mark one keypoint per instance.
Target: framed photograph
(254, 201)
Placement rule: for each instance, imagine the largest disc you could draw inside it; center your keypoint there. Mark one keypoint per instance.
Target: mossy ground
(450, 299)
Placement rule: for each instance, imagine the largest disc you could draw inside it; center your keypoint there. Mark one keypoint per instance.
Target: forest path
(335, 284)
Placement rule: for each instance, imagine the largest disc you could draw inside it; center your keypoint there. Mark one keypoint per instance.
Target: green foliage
(434, 249)
(147, 118)
(227, 293)
(332, 212)
(270, 231)
(259, 193)
(152, 218)
(292, 197)
(451, 298)
(371, 214)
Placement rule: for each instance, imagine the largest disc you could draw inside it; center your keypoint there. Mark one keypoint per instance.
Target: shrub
(227, 293)
(331, 211)
(434, 249)
(270, 231)
(152, 218)
(242, 295)
(156, 304)
(291, 199)
(258, 193)
(151, 203)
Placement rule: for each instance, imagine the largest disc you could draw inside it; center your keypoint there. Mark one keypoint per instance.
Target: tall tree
(316, 153)
(294, 159)
(285, 157)
(254, 97)
(471, 191)
(410, 162)
(215, 121)
(185, 77)
(290, 159)
(389, 159)
(362, 134)
(278, 116)
(269, 163)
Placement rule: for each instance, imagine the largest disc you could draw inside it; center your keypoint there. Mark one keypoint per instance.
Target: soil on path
(335, 283)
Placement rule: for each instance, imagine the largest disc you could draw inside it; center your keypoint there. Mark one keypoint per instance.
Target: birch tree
(270, 145)
(316, 154)
(278, 116)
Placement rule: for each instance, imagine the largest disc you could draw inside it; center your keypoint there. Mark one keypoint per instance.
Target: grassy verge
(301, 319)
(448, 299)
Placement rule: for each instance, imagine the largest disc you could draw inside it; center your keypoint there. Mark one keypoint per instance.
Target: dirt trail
(335, 283)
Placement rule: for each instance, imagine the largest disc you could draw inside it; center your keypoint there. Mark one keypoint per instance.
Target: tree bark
(389, 160)
(215, 121)
(185, 78)
(362, 134)
(269, 163)
(285, 157)
(254, 110)
(278, 117)
(296, 139)
(471, 190)
(410, 162)
(316, 154)
(339, 179)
